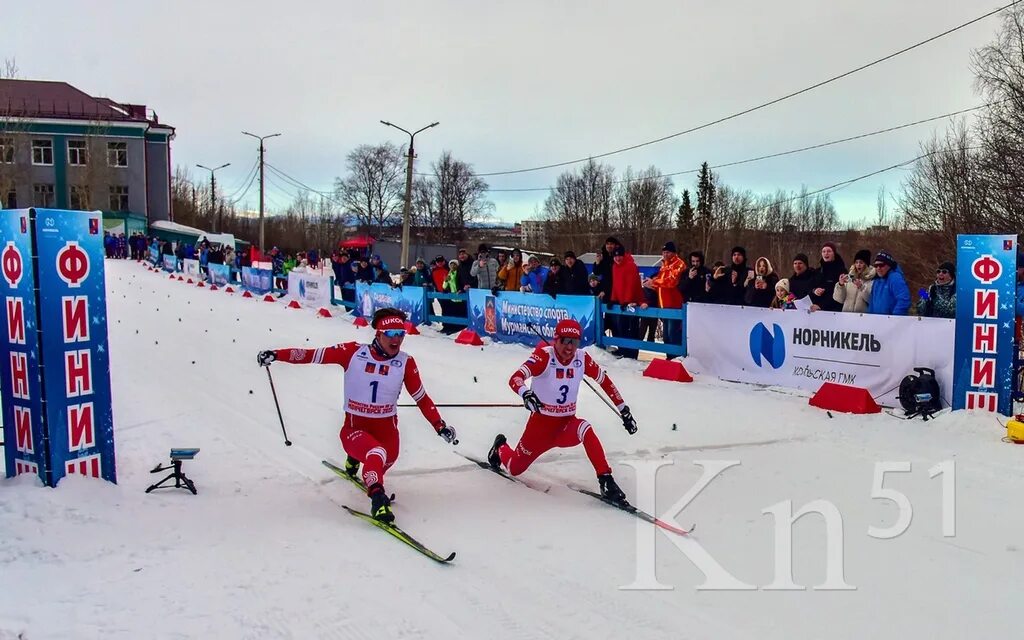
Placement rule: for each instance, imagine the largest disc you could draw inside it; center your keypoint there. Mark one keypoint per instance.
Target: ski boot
(352, 467)
(493, 458)
(380, 505)
(611, 491)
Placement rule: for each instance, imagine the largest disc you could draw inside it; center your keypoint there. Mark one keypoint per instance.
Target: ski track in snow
(265, 551)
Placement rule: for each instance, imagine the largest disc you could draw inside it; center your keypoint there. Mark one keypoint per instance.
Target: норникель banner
(802, 350)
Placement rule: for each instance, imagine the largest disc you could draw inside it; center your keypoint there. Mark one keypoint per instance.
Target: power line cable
(245, 180)
(776, 155)
(762, 105)
(239, 198)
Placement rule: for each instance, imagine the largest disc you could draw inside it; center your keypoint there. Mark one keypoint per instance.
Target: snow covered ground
(265, 551)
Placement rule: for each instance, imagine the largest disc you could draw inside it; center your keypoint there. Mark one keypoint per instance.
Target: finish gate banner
(802, 349)
(986, 276)
(70, 335)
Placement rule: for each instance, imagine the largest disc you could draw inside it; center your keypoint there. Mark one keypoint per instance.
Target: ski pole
(287, 442)
(585, 379)
(518, 405)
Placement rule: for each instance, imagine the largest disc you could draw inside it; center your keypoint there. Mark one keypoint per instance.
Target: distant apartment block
(534, 233)
(62, 148)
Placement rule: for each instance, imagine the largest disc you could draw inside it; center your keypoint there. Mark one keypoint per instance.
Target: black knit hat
(801, 257)
(863, 255)
(739, 250)
(948, 266)
(669, 246)
(569, 254)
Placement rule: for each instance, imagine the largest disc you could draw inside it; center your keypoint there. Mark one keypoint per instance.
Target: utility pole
(408, 187)
(213, 195)
(263, 247)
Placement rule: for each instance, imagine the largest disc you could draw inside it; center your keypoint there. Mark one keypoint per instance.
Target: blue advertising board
(257, 280)
(21, 390)
(220, 274)
(507, 316)
(371, 297)
(154, 254)
(170, 263)
(73, 344)
(985, 294)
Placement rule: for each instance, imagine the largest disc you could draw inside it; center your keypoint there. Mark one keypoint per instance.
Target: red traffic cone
(269, 298)
(470, 337)
(201, 284)
(323, 313)
(294, 304)
(361, 322)
(247, 294)
(228, 290)
(411, 329)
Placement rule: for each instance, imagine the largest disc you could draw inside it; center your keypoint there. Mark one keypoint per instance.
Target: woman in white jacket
(853, 290)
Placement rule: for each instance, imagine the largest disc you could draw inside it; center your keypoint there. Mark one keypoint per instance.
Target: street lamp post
(213, 194)
(262, 150)
(408, 188)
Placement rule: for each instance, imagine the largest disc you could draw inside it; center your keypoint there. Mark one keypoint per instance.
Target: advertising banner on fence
(370, 297)
(985, 312)
(802, 350)
(76, 363)
(220, 274)
(154, 254)
(257, 280)
(505, 317)
(170, 263)
(190, 268)
(310, 289)
(20, 383)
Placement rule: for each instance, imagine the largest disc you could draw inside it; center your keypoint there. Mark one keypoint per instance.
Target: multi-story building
(62, 148)
(534, 233)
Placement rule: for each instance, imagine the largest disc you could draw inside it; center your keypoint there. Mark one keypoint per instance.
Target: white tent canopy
(174, 227)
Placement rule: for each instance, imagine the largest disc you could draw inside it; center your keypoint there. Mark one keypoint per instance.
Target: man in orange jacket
(666, 284)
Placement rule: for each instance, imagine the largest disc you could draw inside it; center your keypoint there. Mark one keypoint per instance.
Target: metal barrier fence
(636, 313)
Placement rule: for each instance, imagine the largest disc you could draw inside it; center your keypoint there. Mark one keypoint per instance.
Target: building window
(42, 195)
(12, 199)
(42, 152)
(119, 198)
(78, 154)
(6, 150)
(117, 154)
(79, 197)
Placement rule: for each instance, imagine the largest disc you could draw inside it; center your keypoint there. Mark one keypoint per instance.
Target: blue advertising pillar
(985, 293)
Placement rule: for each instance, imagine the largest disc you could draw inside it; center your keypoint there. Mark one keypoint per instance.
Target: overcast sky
(519, 84)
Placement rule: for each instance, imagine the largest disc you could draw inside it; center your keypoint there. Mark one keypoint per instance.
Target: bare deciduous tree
(644, 206)
(453, 197)
(579, 206)
(373, 189)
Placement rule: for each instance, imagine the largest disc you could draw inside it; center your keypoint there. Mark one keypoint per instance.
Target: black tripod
(180, 479)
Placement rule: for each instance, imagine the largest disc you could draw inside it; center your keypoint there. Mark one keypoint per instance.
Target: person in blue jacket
(890, 294)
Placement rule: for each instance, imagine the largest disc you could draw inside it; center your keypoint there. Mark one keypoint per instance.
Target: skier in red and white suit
(374, 376)
(557, 371)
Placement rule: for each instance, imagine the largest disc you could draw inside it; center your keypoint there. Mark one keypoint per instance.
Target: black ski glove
(446, 432)
(627, 421)
(531, 402)
(265, 358)
(494, 291)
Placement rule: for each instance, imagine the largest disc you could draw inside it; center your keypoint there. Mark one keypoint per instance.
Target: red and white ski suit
(557, 385)
(372, 387)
